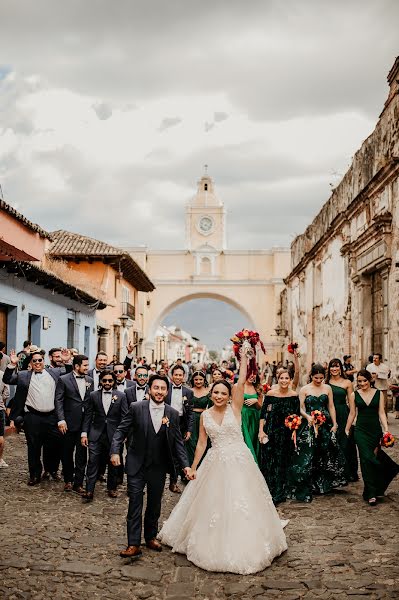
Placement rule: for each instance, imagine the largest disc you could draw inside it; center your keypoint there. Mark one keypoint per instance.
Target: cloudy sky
(109, 110)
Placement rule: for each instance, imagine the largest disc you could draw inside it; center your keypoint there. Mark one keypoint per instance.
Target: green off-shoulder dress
(276, 454)
(347, 444)
(319, 465)
(379, 469)
(250, 417)
(191, 444)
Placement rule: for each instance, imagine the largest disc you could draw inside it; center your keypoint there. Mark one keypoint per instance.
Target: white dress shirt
(382, 371)
(107, 399)
(81, 383)
(41, 392)
(121, 386)
(140, 393)
(96, 375)
(157, 412)
(177, 399)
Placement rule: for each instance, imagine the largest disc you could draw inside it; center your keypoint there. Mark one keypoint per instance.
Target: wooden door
(3, 324)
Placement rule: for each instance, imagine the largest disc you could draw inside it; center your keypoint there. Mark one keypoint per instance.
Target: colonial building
(116, 278)
(37, 303)
(341, 295)
(250, 280)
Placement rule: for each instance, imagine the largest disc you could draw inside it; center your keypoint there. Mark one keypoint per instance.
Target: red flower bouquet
(293, 423)
(387, 440)
(318, 420)
(248, 340)
(293, 349)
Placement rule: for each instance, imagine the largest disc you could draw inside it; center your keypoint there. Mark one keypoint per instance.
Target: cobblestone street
(52, 546)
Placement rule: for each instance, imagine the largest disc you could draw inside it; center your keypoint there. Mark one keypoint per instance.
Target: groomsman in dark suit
(105, 410)
(139, 391)
(71, 397)
(120, 375)
(155, 445)
(101, 363)
(35, 403)
(180, 398)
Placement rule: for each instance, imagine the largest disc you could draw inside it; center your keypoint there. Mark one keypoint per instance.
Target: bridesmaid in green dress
(277, 447)
(199, 386)
(378, 469)
(250, 414)
(319, 465)
(342, 389)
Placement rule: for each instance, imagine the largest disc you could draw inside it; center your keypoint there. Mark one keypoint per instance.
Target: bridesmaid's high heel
(373, 502)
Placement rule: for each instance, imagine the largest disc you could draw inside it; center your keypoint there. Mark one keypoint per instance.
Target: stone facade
(341, 295)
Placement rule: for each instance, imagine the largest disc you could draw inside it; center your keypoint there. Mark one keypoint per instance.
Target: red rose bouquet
(387, 440)
(249, 341)
(293, 349)
(318, 420)
(293, 423)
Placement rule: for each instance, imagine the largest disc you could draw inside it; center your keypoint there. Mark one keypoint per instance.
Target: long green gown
(346, 443)
(250, 417)
(276, 454)
(319, 465)
(379, 469)
(191, 444)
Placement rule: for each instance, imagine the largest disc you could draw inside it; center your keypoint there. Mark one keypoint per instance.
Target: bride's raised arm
(238, 390)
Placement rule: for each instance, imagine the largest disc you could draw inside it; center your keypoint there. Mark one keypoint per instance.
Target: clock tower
(206, 219)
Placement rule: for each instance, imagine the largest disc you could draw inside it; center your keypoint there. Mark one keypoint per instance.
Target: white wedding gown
(226, 520)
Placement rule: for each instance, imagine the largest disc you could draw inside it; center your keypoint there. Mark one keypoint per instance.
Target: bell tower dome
(206, 218)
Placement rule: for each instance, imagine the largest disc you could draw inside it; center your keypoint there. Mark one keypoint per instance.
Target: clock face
(205, 225)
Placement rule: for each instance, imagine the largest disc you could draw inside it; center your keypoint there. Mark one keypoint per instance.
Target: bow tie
(141, 387)
(177, 387)
(80, 376)
(107, 392)
(38, 372)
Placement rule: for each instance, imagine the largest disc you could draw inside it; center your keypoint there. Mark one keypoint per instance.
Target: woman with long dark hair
(378, 469)
(319, 465)
(201, 399)
(342, 389)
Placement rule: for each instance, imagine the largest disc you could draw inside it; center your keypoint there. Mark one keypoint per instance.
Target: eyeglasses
(119, 371)
(107, 381)
(143, 376)
(37, 360)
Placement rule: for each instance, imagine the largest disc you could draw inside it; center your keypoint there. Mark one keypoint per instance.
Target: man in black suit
(120, 376)
(71, 397)
(101, 363)
(139, 390)
(35, 403)
(105, 410)
(153, 429)
(180, 398)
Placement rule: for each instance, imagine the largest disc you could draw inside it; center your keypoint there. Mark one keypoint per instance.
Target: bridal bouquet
(387, 440)
(318, 420)
(293, 349)
(249, 341)
(293, 422)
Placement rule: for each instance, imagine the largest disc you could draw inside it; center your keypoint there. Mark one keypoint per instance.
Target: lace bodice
(225, 435)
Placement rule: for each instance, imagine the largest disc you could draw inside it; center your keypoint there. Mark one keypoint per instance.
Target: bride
(226, 520)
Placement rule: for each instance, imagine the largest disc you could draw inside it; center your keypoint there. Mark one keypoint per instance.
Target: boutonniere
(88, 384)
(184, 398)
(114, 398)
(165, 421)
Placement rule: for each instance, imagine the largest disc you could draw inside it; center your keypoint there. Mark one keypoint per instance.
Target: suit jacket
(188, 415)
(135, 427)
(68, 403)
(95, 421)
(131, 392)
(129, 383)
(22, 380)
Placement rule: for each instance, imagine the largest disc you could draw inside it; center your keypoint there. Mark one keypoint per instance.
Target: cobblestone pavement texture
(53, 546)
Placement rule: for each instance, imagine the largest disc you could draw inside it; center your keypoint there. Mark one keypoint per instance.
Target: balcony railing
(128, 310)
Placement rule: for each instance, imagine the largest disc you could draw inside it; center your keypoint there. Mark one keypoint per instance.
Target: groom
(153, 429)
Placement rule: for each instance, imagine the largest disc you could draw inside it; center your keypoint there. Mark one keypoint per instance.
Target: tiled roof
(39, 276)
(19, 217)
(68, 245)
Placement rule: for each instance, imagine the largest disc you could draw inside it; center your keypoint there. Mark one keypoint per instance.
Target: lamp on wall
(123, 320)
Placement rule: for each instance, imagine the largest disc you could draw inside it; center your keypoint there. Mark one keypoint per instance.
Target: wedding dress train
(225, 520)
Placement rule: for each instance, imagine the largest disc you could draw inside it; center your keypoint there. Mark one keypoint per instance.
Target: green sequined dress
(346, 443)
(250, 417)
(276, 454)
(379, 469)
(319, 465)
(191, 444)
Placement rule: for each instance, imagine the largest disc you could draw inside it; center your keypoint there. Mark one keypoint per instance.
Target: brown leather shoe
(33, 481)
(112, 493)
(78, 489)
(131, 552)
(88, 497)
(175, 488)
(68, 487)
(154, 545)
(55, 476)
